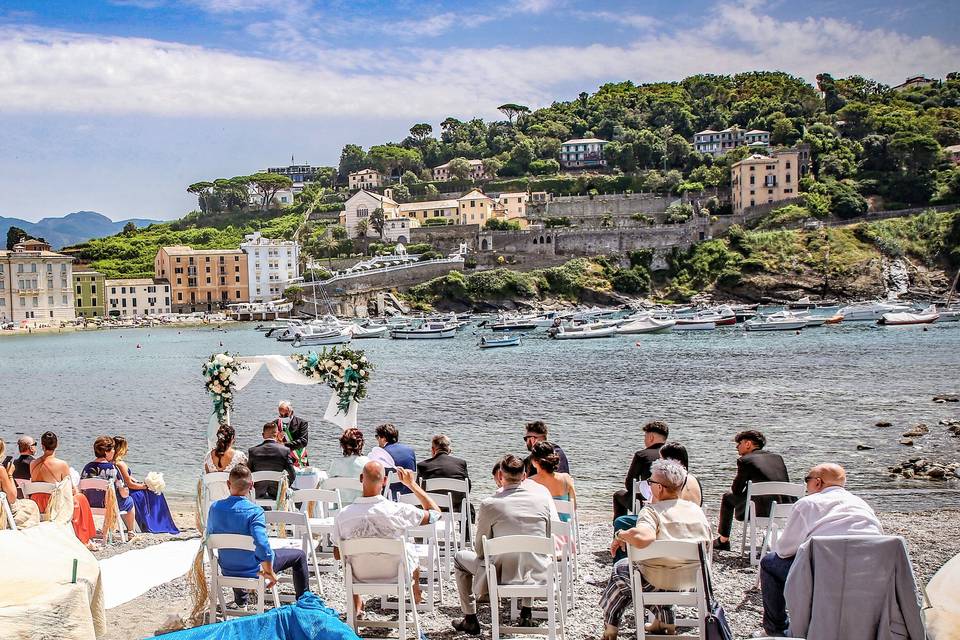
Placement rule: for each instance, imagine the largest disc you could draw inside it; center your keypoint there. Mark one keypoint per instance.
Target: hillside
(72, 228)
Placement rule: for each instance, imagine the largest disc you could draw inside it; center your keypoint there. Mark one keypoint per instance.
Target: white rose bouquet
(155, 482)
(218, 375)
(344, 370)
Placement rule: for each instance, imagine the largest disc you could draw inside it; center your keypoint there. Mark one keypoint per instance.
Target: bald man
(828, 509)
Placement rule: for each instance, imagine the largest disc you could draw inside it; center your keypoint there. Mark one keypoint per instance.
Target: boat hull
(312, 341)
(792, 325)
(646, 326)
(585, 335)
(694, 326)
(416, 334)
(494, 344)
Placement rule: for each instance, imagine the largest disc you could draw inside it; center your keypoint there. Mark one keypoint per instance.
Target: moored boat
(574, 333)
(780, 321)
(648, 324)
(871, 311)
(492, 342)
(693, 324)
(427, 331)
(304, 340)
(902, 318)
(370, 331)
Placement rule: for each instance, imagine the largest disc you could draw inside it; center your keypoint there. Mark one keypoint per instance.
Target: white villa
(36, 285)
(363, 203)
(365, 179)
(271, 266)
(132, 297)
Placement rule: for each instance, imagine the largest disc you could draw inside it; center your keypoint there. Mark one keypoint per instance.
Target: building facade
(447, 210)
(363, 203)
(582, 153)
(763, 179)
(365, 179)
(203, 279)
(477, 171)
(272, 265)
(36, 285)
(89, 294)
(476, 207)
(717, 143)
(137, 297)
(953, 152)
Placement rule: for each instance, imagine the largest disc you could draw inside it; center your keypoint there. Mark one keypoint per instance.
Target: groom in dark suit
(293, 431)
(270, 455)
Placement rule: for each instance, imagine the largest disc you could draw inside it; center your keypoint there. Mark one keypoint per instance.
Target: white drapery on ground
(283, 370)
(131, 574)
(943, 590)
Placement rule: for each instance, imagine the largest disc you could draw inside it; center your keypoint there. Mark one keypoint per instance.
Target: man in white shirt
(373, 516)
(827, 510)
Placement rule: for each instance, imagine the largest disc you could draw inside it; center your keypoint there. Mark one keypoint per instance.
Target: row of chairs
(29, 488)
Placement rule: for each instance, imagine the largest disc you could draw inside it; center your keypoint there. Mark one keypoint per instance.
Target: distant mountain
(71, 228)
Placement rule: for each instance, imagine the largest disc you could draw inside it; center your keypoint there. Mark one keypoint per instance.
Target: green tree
(294, 294)
(339, 232)
(459, 168)
(329, 245)
(267, 185)
(389, 158)
(513, 111)
(129, 229)
(362, 228)
(202, 190)
(15, 235)
(378, 221)
(491, 167)
(409, 177)
(544, 167)
(421, 131)
(326, 177)
(352, 158)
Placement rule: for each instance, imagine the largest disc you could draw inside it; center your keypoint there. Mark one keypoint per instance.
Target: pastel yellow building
(431, 210)
(762, 179)
(476, 207)
(365, 179)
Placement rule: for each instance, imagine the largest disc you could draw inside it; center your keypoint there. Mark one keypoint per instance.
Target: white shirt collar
(369, 499)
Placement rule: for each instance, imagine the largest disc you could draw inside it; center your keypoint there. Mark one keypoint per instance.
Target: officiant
(293, 433)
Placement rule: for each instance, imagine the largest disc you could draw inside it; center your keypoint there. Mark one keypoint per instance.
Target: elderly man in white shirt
(827, 510)
(373, 516)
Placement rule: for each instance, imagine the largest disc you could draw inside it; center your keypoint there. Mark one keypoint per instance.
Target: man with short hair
(270, 455)
(828, 509)
(373, 516)
(515, 509)
(21, 466)
(537, 432)
(756, 465)
(238, 515)
(293, 433)
(667, 517)
(442, 464)
(404, 457)
(655, 434)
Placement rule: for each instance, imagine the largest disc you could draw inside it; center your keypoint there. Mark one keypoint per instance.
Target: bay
(815, 395)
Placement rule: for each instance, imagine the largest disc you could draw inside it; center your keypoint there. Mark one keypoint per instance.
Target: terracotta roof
(428, 204)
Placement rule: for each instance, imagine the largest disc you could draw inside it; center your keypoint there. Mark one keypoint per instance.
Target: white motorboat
(647, 324)
(492, 342)
(591, 326)
(694, 324)
(317, 339)
(871, 311)
(370, 331)
(780, 321)
(948, 314)
(926, 316)
(426, 331)
(574, 333)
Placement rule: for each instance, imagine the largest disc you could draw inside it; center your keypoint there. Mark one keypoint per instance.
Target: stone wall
(447, 239)
(585, 207)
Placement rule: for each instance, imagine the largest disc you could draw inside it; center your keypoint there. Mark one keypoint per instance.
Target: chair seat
(321, 524)
(285, 543)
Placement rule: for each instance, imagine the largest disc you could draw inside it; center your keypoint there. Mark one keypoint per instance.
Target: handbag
(715, 621)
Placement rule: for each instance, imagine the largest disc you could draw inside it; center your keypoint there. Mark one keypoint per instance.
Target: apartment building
(477, 171)
(763, 179)
(582, 153)
(137, 297)
(89, 293)
(272, 265)
(36, 285)
(365, 179)
(203, 279)
(717, 143)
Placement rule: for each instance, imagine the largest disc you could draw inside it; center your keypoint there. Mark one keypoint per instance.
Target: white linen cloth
(831, 512)
(131, 574)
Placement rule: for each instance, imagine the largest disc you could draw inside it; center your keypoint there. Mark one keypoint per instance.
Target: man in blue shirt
(237, 514)
(403, 454)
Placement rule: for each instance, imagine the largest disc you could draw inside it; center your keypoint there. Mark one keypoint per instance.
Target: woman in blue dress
(153, 514)
(104, 468)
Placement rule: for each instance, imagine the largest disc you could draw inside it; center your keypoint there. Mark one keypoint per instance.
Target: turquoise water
(816, 395)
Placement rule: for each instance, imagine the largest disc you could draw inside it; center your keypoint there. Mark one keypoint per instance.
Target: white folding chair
(29, 488)
(465, 520)
(752, 523)
(266, 476)
(218, 581)
(341, 485)
(387, 492)
(446, 527)
(566, 507)
(562, 533)
(7, 511)
(319, 505)
(423, 541)
(390, 578)
(694, 597)
(779, 513)
(297, 526)
(549, 589)
(639, 497)
(214, 488)
(101, 485)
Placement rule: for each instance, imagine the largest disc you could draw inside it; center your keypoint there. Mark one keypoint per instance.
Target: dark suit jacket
(640, 465)
(759, 466)
(270, 455)
(298, 429)
(21, 467)
(404, 456)
(444, 465)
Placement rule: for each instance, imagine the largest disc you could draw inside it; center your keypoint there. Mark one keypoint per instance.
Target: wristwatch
(616, 534)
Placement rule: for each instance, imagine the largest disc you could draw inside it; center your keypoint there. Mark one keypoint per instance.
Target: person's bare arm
(409, 480)
(128, 479)
(8, 486)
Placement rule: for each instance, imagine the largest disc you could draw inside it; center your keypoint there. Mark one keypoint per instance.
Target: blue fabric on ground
(307, 619)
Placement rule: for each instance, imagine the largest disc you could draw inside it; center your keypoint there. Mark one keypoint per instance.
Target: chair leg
(261, 596)
(402, 611)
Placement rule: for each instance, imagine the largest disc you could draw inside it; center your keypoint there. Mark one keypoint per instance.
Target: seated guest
(48, 468)
(560, 485)
(103, 467)
(223, 457)
(404, 457)
(238, 515)
(667, 517)
(373, 516)
(150, 509)
(537, 432)
(26, 513)
(350, 464)
(828, 509)
(441, 464)
(754, 464)
(515, 509)
(654, 436)
(27, 447)
(270, 455)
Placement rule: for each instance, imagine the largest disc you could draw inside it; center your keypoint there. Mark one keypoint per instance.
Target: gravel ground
(733, 578)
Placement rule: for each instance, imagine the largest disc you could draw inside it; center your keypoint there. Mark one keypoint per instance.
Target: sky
(117, 105)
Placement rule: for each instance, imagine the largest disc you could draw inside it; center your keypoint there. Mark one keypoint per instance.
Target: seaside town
(665, 348)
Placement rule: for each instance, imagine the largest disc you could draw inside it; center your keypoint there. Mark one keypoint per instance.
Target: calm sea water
(815, 395)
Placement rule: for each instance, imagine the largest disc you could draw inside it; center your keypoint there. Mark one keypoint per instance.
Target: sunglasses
(654, 482)
(807, 479)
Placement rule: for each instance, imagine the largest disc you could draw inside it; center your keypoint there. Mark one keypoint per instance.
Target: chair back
(323, 498)
(392, 478)
(443, 500)
(447, 484)
(565, 507)
(757, 489)
(94, 484)
(236, 541)
(673, 549)
(268, 476)
(493, 547)
(7, 511)
(374, 559)
(291, 518)
(31, 488)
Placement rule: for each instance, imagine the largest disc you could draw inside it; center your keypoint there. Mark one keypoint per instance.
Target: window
(49, 268)
(50, 301)
(786, 178)
(208, 269)
(238, 294)
(208, 280)
(123, 302)
(179, 296)
(93, 302)
(788, 190)
(753, 179)
(93, 288)
(78, 289)
(133, 302)
(206, 259)
(238, 278)
(236, 269)
(63, 300)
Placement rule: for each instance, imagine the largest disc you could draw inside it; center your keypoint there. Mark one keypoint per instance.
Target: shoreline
(927, 537)
(28, 331)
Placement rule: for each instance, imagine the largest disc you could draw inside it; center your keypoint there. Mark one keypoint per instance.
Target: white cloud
(232, 6)
(535, 6)
(47, 71)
